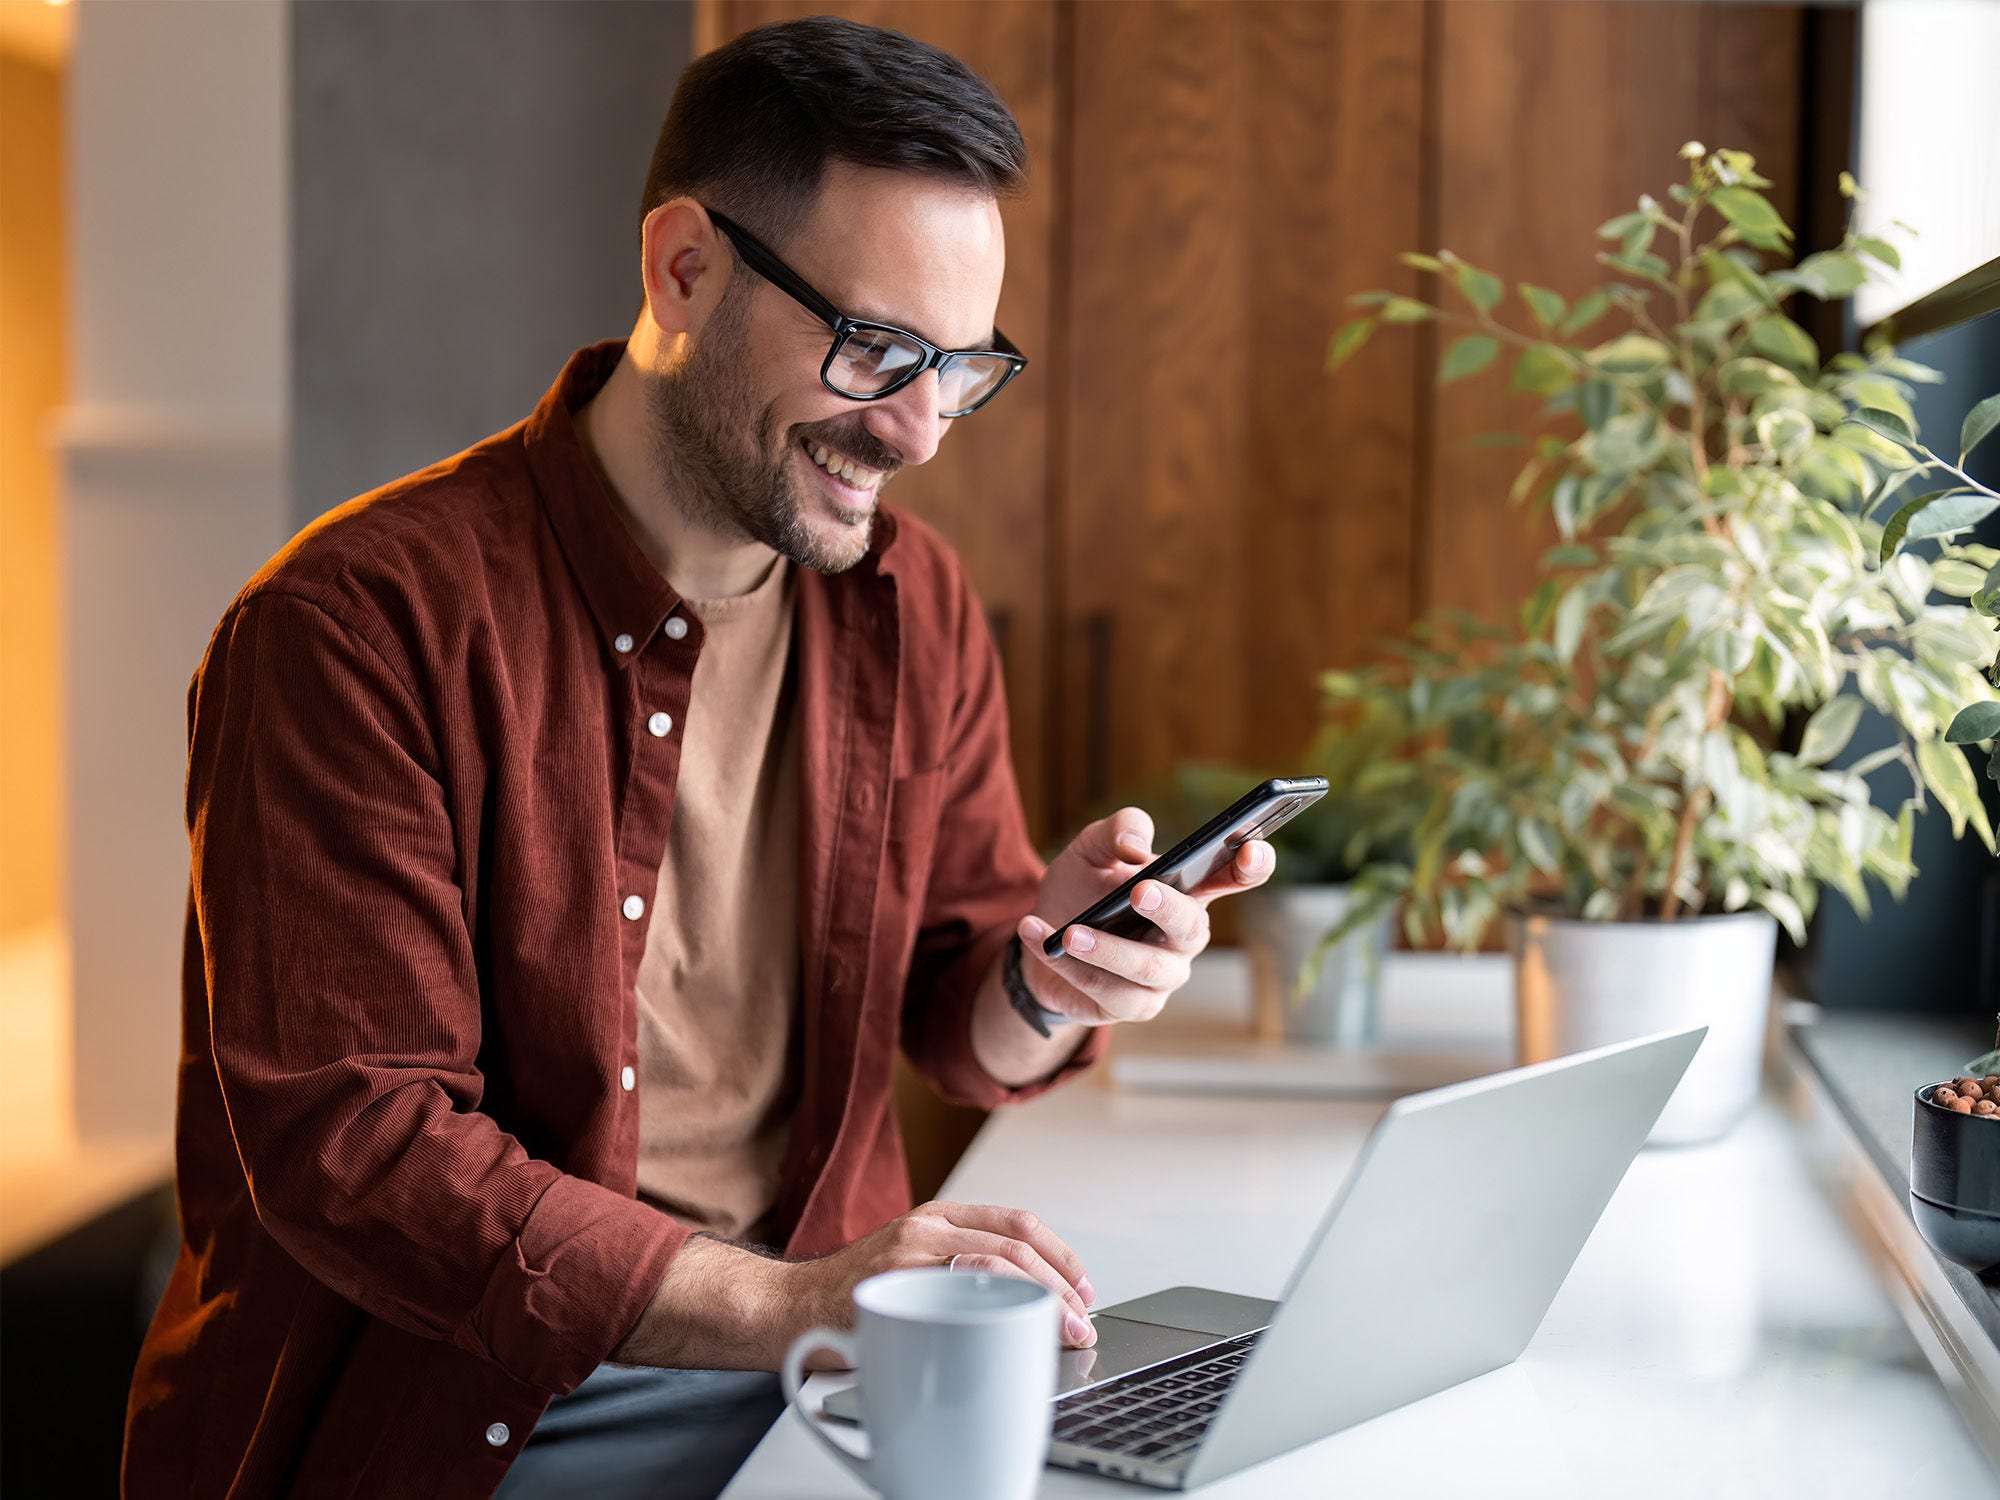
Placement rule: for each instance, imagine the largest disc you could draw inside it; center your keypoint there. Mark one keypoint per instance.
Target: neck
(698, 561)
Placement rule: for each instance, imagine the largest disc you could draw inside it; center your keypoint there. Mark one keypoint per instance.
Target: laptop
(1436, 1262)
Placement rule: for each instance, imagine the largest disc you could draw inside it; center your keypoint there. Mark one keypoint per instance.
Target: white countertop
(1722, 1334)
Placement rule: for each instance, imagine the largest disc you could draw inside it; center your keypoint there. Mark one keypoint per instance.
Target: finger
(1125, 836)
(1051, 986)
(1183, 919)
(975, 1249)
(1255, 863)
(1020, 1224)
(1127, 979)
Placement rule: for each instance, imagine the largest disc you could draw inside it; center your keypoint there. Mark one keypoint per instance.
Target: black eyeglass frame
(759, 258)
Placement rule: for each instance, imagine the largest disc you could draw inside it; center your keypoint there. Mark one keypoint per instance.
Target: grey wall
(1939, 950)
(465, 187)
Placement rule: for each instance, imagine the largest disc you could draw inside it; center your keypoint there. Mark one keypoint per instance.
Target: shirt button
(621, 642)
(498, 1434)
(675, 629)
(635, 907)
(627, 1079)
(659, 724)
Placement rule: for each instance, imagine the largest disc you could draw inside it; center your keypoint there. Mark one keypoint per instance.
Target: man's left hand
(1102, 978)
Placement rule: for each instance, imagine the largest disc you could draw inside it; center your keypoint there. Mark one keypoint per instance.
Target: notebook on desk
(1436, 1262)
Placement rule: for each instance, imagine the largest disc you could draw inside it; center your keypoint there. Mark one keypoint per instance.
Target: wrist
(1017, 982)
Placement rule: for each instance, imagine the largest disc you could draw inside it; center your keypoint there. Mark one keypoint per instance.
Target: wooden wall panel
(1232, 518)
(987, 488)
(1548, 118)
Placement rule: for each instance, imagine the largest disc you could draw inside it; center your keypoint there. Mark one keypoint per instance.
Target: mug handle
(792, 1372)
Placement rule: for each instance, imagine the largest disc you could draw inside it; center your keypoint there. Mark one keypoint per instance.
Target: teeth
(845, 467)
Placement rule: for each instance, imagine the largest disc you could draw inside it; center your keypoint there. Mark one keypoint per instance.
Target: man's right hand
(1002, 1241)
(721, 1306)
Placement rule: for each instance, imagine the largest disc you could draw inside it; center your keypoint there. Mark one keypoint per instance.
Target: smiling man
(581, 824)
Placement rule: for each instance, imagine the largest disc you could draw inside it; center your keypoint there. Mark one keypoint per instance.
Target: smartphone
(1257, 814)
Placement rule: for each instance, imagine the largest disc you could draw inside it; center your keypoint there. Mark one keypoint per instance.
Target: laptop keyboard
(1157, 1414)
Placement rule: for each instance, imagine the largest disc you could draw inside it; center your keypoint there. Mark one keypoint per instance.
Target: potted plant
(1609, 779)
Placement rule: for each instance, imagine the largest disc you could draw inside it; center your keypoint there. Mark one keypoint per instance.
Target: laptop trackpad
(1124, 1346)
(1130, 1336)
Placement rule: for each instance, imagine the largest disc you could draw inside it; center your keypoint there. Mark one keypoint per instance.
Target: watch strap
(1021, 997)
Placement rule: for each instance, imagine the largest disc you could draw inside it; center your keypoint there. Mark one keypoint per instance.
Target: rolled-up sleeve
(984, 877)
(345, 1013)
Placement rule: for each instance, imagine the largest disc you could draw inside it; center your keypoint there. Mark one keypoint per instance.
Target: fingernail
(1134, 848)
(1080, 940)
(1086, 1291)
(1150, 899)
(1034, 929)
(1078, 1329)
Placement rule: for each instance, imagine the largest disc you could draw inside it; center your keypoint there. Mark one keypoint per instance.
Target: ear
(684, 265)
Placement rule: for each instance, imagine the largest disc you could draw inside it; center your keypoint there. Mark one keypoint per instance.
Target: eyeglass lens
(872, 360)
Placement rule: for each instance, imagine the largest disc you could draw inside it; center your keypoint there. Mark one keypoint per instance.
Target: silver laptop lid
(1445, 1247)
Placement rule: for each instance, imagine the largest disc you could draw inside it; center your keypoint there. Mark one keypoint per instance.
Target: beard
(725, 465)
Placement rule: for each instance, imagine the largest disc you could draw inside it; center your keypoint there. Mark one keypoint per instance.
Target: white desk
(1721, 1335)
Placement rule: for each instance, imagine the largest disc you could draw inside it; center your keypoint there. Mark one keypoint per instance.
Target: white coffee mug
(958, 1373)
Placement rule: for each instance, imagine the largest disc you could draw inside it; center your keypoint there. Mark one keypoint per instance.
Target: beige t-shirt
(718, 987)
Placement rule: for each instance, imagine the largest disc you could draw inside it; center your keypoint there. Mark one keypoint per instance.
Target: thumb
(1123, 836)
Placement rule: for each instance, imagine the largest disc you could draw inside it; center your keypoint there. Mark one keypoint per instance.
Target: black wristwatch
(1021, 997)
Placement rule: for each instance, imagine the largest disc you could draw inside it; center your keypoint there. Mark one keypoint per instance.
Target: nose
(908, 421)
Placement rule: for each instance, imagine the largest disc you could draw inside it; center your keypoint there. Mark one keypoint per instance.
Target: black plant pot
(1955, 1182)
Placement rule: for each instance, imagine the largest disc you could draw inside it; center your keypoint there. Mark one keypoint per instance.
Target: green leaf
(1936, 515)
(1591, 306)
(1349, 339)
(1778, 337)
(1885, 422)
(1987, 600)
(1948, 774)
(1564, 501)
(1786, 910)
(1404, 310)
(1630, 355)
(1979, 422)
(1827, 275)
(1897, 525)
(1828, 730)
(1481, 288)
(1571, 615)
(1421, 262)
(1569, 555)
(1541, 371)
(1538, 842)
(1547, 306)
(1973, 723)
(1882, 250)
(1596, 402)
(1751, 213)
(1467, 356)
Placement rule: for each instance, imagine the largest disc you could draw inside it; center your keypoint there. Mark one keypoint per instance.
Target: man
(580, 824)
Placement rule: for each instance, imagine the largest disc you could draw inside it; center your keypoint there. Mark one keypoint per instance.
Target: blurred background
(258, 256)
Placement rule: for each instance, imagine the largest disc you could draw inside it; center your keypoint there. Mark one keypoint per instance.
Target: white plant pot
(1281, 925)
(1585, 984)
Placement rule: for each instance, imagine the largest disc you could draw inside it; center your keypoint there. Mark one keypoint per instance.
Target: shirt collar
(625, 592)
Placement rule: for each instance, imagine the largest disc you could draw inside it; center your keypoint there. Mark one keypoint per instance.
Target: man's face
(740, 415)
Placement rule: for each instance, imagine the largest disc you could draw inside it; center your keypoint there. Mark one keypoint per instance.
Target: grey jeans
(635, 1434)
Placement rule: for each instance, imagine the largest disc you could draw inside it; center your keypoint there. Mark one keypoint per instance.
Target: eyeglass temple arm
(775, 271)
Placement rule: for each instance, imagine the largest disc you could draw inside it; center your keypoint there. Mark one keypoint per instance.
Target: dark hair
(754, 123)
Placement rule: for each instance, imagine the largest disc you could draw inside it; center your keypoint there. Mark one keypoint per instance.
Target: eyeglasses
(871, 360)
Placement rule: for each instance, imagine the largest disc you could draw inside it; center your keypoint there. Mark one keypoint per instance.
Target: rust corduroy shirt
(426, 813)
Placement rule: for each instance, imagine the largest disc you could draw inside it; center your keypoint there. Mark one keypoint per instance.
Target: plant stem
(1718, 712)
